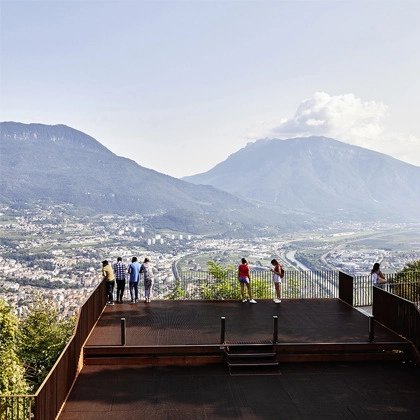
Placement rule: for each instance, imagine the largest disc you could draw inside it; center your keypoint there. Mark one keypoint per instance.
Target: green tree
(12, 379)
(406, 282)
(222, 284)
(42, 337)
(176, 291)
(292, 290)
(262, 287)
(411, 271)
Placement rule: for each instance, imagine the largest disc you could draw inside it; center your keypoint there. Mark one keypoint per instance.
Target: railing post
(123, 332)
(275, 329)
(371, 328)
(222, 329)
(345, 288)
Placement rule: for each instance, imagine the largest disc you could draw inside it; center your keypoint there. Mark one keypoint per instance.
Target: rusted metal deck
(109, 386)
(182, 322)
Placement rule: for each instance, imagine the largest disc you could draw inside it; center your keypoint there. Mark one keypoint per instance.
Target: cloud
(343, 117)
(348, 119)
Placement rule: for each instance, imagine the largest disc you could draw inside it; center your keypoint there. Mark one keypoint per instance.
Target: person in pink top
(244, 279)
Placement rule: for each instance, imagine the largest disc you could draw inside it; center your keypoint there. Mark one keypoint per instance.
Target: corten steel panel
(406, 322)
(345, 286)
(52, 393)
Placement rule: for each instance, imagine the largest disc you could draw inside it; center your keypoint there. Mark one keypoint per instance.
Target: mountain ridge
(318, 174)
(58, 164)
(287, 184)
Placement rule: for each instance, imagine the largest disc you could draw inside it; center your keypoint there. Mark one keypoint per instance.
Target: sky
(178, 86)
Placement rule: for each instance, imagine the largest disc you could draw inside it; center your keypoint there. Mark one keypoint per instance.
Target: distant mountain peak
(319, 175)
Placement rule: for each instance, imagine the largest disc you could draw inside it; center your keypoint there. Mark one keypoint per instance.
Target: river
(291, 257)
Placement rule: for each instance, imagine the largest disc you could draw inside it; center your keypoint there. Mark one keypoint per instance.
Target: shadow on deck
(173, 365)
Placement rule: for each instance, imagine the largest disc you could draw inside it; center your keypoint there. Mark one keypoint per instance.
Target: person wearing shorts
(244, 279)
(276, 279)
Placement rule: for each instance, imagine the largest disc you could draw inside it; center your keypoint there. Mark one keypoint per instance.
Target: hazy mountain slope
(58, 164)
(319, 175)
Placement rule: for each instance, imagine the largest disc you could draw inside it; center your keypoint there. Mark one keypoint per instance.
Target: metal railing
(194, 285)
(16, 407)
(398, 314)
(53, 392)
(46, 403)
(406, 285)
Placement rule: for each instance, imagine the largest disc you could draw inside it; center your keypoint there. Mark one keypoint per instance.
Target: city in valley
(52, 251)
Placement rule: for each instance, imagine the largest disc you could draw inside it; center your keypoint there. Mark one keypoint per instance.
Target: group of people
(244, 278)
(118, 273)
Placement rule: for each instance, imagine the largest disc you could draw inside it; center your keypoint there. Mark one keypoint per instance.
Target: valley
(52, 251)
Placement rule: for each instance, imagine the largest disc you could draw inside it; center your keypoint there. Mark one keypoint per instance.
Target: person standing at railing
(278, 274)
(108, 276)
(245, 279)
(134, 271)
(147, 271)
(377, 276)
(119, 272)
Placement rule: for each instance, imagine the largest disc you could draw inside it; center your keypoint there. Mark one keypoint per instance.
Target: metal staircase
(251, 359)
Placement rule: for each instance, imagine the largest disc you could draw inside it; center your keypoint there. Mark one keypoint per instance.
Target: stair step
(252, 360)
(250, 348)
(251, 363)
(238, 355)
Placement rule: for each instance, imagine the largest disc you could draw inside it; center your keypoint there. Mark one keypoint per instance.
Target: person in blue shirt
(134, 271)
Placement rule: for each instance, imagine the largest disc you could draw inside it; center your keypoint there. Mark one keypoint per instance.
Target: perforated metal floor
(199, 322)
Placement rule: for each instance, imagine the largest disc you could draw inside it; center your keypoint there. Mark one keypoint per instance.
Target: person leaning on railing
(147, 272)
(377, 276)
(109, 277)
(119, 271)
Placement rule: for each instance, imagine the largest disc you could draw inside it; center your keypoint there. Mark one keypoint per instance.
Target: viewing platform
(166, 332)
(173, 364)
(313, 356)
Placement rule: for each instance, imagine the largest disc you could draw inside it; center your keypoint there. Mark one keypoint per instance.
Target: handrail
(306, 284)
(407, 322)
(53, 392)
(402, 284)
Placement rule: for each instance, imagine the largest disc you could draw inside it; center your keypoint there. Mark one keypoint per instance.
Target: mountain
(284, 185)
(58, 164)
(320, 176)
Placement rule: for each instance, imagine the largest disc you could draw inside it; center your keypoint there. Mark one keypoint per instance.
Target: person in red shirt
(244, 279)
